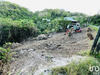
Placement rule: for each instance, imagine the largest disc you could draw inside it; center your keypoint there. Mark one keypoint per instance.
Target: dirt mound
(90, 36)
(89, 30)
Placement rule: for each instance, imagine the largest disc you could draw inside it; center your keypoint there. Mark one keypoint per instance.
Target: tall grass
(77, 68)
(93, 27)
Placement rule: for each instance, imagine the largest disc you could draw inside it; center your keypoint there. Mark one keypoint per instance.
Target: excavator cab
(73, 27)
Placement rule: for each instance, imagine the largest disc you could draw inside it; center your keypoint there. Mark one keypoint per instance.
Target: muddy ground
(33, 56)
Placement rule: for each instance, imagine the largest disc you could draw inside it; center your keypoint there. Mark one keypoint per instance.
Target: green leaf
(8, 50)
(0, 56)
(2, 53)
(4, 57)
(5, 50)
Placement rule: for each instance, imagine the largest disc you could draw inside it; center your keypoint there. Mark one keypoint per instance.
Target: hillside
(14, 11)
(17, 12)
(35, 44)
(15, 18)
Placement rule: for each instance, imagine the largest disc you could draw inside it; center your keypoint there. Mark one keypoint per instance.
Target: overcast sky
(89, 7)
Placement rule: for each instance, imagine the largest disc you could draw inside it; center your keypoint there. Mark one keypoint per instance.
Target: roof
(46, 19)
(69, 19)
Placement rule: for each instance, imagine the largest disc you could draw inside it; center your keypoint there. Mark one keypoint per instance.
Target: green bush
(5, 58)
(4, 54)
(14, 11)
(94, 28)
(16, 31)
(59, 70)
(77, 68)
(46, 21)
(87, 53)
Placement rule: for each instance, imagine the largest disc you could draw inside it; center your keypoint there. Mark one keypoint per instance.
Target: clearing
(36, 56)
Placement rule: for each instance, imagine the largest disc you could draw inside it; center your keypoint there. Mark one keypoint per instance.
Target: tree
(64, 23)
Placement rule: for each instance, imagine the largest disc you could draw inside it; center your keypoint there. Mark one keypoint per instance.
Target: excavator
(73, 28)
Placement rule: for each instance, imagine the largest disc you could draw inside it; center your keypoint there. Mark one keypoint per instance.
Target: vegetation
(96, 44)
(95, 19)
(18, 23)
(87, 53)
(4, 53)
(13, 11)
(15, 31)
(77, 68)
(94, 28)
(5, 58)
(81, 67)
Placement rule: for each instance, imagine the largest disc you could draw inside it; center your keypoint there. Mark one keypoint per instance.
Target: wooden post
(95, 42)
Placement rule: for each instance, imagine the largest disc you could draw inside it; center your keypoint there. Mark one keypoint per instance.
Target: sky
(89, 7)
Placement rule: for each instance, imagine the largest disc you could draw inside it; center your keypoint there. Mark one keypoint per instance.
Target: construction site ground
(34, 56)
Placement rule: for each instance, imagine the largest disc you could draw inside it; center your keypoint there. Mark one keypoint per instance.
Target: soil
(34, 56)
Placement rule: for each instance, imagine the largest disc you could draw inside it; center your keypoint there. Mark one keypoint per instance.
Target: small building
(73, 22)
(70, 19)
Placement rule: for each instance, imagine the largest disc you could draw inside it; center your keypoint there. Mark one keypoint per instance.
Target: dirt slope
(32, 54)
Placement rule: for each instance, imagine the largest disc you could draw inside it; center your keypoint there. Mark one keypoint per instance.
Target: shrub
(16, 31)
(5, 57)
(74, 68)
(59, 70)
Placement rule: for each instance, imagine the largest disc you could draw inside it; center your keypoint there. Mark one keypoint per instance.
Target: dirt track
(32, 54)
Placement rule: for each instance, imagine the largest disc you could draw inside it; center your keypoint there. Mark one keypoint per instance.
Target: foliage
(87, 53)
(16, 31)
(18, 23)
(64, 23)
(5, 54)
(94, 27)
(94, 20)
(96, 43)
(59, 70)
(5, 58)
(77, 68)
(14, 11)
(84, 53)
